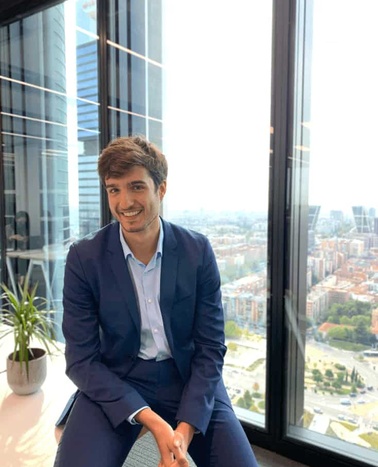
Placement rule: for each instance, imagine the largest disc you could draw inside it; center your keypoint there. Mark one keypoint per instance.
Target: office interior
(263, 109)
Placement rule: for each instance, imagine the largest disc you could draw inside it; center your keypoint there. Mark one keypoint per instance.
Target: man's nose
(126, 199)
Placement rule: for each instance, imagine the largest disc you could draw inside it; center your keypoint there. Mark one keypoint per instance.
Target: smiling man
(144, 329)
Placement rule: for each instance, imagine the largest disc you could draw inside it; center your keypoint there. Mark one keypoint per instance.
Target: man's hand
(172, 444)
(182, 438)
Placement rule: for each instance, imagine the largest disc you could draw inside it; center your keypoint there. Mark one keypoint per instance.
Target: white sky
(344, 156)
(217, 103)
(217, 59)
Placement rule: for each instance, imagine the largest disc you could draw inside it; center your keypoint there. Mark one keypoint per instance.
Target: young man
(144, 329)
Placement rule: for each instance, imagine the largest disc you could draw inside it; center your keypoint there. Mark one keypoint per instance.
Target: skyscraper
(362, 219)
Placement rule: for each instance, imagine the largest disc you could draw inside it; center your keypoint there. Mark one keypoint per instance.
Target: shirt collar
(126, 249)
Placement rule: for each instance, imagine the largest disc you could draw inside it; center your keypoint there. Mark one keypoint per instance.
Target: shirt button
(155, 331)
(149, 300)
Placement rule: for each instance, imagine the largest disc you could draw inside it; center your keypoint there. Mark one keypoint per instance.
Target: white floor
(28, 437)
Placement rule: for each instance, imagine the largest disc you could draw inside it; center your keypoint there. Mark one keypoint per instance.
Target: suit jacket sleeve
(205, 379)
(84, 359)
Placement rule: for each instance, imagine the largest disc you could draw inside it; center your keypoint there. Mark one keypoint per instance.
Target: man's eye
(137, 187)
(112, 190)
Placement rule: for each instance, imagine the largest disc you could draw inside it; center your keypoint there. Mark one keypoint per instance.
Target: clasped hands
(172, 444)
(173, 451)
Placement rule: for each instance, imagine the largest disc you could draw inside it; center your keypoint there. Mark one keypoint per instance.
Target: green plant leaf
(25, 314)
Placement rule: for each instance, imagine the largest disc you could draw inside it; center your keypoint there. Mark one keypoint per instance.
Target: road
(363, 409)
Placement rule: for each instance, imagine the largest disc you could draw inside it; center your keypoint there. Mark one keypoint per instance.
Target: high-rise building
(362, 219)
(313, 215)
(134, 90)
(376, 225)
(337, 215)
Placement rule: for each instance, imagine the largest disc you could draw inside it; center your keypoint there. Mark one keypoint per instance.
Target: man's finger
(177, 443)
(183, 463)
(166, 459)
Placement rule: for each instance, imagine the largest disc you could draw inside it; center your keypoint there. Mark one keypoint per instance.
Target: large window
(49, 133)
(205, 100)
(265, 110)
(216, 135)
(332, 299)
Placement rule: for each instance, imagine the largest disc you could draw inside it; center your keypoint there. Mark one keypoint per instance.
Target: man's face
(134, 201)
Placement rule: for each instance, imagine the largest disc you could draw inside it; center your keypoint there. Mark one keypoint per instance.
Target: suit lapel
(122, 274)
(168, 278)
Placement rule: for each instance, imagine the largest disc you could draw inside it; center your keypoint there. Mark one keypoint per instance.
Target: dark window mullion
(103, 66)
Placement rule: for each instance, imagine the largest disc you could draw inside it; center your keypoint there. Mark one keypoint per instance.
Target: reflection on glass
(332, 298)
(49, 123)
(135, 70)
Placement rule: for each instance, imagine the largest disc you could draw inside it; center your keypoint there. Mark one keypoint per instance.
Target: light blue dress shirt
(146, 279)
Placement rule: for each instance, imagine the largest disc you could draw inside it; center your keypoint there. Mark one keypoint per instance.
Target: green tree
(358, 319)
(248, 399)
(339, 333)
(232, 346)
(341, 376)
(241, 403)
(317, 376)
(329, 374)
(232, 330)
(346, 320)
(333, 319)
(362, 333)
(336, 384)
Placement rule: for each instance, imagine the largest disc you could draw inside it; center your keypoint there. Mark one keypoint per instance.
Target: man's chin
(137, 226)
(130, 228)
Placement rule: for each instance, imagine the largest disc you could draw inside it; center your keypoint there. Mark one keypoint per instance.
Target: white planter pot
(17, 377)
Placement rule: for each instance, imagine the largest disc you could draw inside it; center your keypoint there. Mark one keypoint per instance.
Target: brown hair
(122, 154)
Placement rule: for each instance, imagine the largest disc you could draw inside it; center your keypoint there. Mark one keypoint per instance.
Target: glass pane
(204, 98)
(332, 300)
(49, 123)
(135, 70)
(216, 110)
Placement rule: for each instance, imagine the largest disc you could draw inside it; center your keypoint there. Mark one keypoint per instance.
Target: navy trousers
(89, 440)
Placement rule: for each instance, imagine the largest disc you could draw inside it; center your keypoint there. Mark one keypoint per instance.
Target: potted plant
(22, 315)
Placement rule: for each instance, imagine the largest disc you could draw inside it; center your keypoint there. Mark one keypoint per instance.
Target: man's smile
(130, 213)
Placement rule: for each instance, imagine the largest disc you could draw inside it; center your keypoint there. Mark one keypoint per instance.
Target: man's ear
(162, 189)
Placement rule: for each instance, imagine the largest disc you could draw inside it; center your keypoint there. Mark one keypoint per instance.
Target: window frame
(280, 217)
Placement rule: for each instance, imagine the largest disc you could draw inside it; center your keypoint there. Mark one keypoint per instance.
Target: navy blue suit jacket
(101, 322)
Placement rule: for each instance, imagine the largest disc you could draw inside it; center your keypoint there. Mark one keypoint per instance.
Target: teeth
(130, 214)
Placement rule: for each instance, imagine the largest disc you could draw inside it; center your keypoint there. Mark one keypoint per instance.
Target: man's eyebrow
(110, 185)
(137, 182)
(132, 183)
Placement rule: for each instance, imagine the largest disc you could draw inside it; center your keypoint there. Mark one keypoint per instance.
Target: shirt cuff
(132, 420)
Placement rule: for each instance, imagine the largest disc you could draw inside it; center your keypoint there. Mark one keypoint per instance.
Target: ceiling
(11, 10)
